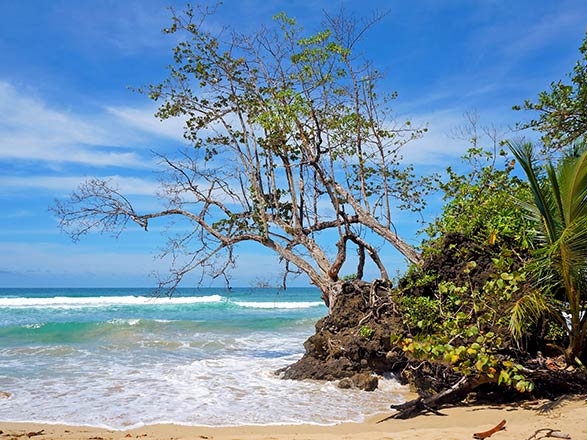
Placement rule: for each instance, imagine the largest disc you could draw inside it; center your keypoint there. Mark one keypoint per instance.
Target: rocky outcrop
(353, 342)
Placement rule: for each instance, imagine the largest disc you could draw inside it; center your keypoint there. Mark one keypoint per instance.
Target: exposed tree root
(545, 381)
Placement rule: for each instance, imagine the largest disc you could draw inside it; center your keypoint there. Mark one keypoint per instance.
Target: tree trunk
(330, 292)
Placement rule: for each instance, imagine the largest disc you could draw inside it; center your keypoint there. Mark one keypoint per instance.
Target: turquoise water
(121, 357)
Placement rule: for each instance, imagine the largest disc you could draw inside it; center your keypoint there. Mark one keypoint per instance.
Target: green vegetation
(366, 332)
(562, 111)
(559, 211)
(457, 307)
(504, 278)
(479, 203)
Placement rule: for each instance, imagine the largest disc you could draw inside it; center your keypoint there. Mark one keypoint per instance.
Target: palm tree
(559, 210)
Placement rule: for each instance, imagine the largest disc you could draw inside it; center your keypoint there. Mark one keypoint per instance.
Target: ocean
(122, 358)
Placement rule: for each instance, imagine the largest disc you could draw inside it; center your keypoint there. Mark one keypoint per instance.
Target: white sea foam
(279, 305)
(104, 301)
(221, 391)
(130, 322)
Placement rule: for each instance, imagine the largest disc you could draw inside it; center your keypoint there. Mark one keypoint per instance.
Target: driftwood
(486, 434)
(28, 434)
(547, 432)
(433, 403)
(548, 384)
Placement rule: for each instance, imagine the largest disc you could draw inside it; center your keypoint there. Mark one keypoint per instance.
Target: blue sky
(66, 112)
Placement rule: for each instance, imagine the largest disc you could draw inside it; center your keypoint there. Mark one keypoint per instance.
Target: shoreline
(568, 416)
(402, 391)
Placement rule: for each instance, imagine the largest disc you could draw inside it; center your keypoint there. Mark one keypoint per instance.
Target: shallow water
(121, 358)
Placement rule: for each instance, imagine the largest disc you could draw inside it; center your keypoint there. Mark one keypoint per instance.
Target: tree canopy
(562, 111)
(294, 147)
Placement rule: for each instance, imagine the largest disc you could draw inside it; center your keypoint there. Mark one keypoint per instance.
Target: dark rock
(353, 343)
(345, 383)
(365, 381)
(339, 350)
(362, 381)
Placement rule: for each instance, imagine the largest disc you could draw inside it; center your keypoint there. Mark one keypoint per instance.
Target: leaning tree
(292, 147)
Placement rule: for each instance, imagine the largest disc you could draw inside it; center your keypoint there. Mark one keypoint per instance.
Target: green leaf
(504, 378)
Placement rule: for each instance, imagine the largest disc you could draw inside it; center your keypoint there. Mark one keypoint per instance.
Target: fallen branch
(416, 406)
(548, 432)
(549, 406)
(29, 434)
(433, 403)
(486, 434)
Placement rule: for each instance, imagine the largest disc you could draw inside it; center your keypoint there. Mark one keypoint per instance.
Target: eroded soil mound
(354, 341)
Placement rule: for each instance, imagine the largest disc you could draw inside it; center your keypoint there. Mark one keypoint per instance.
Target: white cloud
(31, 130)
(59, 184)
(442, 145)
(144, 120)
(435, 147)
(32, 114)
(85, 265)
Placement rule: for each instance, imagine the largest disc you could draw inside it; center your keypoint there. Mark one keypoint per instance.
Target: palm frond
(559, 211)
(556, 194)
(572, 175)
(528, 310)
(574, 240)
(532, 213)
(524, 153)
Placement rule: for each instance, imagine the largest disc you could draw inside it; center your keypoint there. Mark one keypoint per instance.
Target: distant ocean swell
(105, 301)
(121, 358)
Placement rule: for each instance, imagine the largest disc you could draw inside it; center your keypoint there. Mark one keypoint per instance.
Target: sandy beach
(569, 417)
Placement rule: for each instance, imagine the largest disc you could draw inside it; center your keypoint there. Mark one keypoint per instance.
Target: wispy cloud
(436, 147)
(59, 184)
(32, 130)
(512, 40)
(118, 136)
(129, 27)
(143, 119)
(19, 213)
(446, 140)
